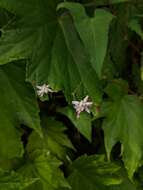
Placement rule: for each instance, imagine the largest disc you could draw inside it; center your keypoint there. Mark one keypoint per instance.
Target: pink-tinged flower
(82, 105)
(43, 89)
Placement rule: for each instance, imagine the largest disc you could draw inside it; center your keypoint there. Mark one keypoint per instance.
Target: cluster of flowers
(79, 106)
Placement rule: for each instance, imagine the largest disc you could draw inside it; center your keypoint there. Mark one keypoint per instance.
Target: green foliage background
(79, 48)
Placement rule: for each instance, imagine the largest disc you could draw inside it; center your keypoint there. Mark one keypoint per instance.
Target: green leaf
(46, 168)
(93, 31)
(57, 141)
(135, 26)
(14, 181)
(20, 36)
(54, 139)
(83, 123)
(17, 106)
(86, 71)
(51, 176)
(37, 35)
(123, 123)
(93, 173)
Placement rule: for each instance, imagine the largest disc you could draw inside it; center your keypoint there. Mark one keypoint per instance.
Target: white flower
(82, 105)
(44, 89)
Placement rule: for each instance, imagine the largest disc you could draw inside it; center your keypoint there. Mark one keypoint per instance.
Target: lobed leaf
(46, 168)
(93, 173)
(123, 123)
(54, 57)
(93, 31)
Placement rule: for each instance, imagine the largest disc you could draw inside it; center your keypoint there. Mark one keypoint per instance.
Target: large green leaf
(46, 168)
(92, 30)
(14, 181)
(123, 123)
(17, 106)
(37, 35)
(93, 173)
(80, 57)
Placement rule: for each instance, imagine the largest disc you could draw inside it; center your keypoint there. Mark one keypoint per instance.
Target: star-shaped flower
(44, 89)
(82, 105)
